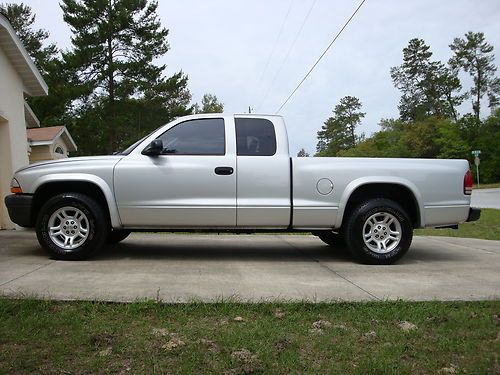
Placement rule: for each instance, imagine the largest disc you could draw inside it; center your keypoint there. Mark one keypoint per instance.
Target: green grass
(487, 186)
(141, 338)
(487, 227)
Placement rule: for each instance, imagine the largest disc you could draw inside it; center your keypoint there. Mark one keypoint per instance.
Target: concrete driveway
(249, 267)
(486, 198)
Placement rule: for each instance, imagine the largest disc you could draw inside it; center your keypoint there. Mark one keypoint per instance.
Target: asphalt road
(486, 198)
(179, 268)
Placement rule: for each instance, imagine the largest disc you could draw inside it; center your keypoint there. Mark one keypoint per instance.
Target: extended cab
(234, 173)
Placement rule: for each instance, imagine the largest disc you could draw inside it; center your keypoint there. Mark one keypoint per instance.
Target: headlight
(15, 188)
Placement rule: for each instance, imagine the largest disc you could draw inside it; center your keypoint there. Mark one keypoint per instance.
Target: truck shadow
(270, 250)
(209, 252)
(280, 252)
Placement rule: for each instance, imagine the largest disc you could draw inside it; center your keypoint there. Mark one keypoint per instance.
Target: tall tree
(339, 131)
(429, 88)
(115, 43)
(475, 56)
(34, 40)
(209, 104)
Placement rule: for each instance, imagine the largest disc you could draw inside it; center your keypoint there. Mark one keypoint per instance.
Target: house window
(59, 150)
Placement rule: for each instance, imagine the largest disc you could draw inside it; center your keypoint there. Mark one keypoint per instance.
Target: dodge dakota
(234, 173)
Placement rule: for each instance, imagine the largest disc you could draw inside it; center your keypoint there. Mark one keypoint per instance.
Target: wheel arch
(95, 187)
(399, 190)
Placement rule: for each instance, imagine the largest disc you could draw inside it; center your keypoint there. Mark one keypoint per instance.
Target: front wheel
(379, 231)
(71, 226)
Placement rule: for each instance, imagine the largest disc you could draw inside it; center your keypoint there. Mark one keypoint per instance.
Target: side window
(255, 137)
(195, 137)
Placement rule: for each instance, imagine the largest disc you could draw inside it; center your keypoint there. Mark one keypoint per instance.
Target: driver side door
(192, 184)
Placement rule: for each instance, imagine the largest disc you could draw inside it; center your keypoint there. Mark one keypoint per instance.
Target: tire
(115, 236)
(79, 223)
(379, 231)
(331, 238)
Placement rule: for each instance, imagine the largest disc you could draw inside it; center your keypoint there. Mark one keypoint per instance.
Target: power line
(278, 38)
(322, 55)
(288, 53)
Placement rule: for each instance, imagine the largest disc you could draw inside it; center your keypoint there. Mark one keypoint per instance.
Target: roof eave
(30, 117)
(69, 140)
(34, 84)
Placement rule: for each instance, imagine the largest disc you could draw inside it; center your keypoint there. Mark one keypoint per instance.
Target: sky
(254, 53)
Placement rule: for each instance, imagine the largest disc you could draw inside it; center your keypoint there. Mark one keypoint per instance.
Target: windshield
(131, 148)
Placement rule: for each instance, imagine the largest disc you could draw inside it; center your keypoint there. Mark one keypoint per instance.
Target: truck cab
(211, 171)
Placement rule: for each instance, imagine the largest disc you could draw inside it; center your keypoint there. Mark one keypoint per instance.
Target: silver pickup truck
(234, 173)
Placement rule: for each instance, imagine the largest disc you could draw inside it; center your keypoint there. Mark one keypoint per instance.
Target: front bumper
(20, 209)
(474, 214)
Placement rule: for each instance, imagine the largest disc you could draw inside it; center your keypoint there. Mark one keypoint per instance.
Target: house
(53, 142)
(19, 79)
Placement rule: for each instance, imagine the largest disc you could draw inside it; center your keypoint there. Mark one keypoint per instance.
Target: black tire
(115, 236)
(331, 238)
(392, 246)
(95, 225)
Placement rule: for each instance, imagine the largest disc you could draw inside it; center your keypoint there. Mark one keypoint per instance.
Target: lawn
(487, 186)
(487, 227)
(235, 338)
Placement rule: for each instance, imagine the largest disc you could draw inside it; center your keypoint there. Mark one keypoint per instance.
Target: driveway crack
(27, 273)
(325, 266)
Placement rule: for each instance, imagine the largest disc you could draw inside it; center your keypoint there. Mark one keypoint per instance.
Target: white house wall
(47, 152)
(12, 131)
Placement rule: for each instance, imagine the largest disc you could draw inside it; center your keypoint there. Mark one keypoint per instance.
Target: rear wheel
(379, 231)
(71, 226)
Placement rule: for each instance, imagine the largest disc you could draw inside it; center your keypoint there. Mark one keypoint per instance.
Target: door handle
(224, 171)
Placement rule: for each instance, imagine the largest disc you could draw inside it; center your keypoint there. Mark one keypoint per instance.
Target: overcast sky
(235, 50)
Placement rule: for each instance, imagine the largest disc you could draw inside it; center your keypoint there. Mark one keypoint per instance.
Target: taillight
(468, 182)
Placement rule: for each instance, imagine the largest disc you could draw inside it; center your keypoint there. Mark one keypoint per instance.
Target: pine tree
(475, 56)
(34, 40)
(338, 132)
(429, 88)
(115, 43)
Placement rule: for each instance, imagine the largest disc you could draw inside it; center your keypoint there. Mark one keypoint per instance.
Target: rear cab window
(255, 137)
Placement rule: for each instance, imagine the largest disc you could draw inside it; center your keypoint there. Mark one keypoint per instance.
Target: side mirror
(155, 148)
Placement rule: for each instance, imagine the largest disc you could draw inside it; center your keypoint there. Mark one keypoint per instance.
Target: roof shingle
(43, 134)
